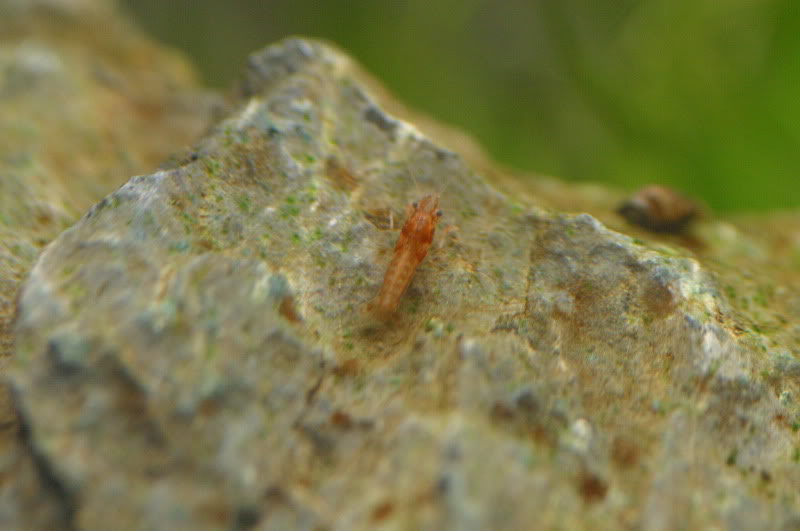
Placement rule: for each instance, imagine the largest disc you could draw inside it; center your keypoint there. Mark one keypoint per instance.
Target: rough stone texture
(194, 353)
(85, 102)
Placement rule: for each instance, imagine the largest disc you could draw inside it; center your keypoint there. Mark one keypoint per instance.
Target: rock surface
(195, 353)
(81, 110)
(85, 102)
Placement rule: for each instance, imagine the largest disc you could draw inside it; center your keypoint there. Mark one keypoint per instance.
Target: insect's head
(428, 205)
(426, 215)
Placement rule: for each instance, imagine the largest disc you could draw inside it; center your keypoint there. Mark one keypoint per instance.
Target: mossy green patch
(289, 211)
(731, 459)
(730, 291)
(763, 295)
(290, 208)
(316, 235)
(213, 166)
(243, 202)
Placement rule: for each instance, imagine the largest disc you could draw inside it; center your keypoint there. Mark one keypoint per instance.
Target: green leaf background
(703, 95)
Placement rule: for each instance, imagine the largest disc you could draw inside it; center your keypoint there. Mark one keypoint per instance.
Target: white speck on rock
(579, 436)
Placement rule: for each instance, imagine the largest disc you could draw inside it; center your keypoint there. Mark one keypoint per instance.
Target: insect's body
(412, 246)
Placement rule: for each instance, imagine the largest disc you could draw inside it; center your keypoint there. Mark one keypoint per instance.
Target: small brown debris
(501, 412)
(349, 367)
(781, 420)
(592, 488)
(209, 407)
(659, 209)
(44, 218)
(340, 419)
(382, 218)
(624, 452)
(289, 311)
(215, 512)
(276, 494)
(206, 244)
(382, 511)
(342, 177)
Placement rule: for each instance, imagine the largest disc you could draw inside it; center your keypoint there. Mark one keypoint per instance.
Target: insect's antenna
(420, 192)
(448, 183)
(417, 190)
(431, 187)
(444, 192)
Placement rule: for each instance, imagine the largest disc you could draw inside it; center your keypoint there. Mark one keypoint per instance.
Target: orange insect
(412, 246)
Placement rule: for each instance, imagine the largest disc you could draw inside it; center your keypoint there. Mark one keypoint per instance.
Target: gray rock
(196, 351)
(78, 116)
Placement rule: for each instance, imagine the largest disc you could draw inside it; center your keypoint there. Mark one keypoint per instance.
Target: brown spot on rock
(501, 412)
(657, 300)
(382, 511)
(340, 419)
(206, 244)
(624, 452)
(382, 218)
(347, 368)
(341, 177)
(592, 488)
(289, 311)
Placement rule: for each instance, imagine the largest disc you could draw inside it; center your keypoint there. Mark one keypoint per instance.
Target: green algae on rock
(543, 369)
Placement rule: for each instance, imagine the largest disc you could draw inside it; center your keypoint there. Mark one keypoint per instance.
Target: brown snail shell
(659, 209)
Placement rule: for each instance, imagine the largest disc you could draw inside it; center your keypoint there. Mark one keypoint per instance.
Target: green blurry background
(699, 94)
